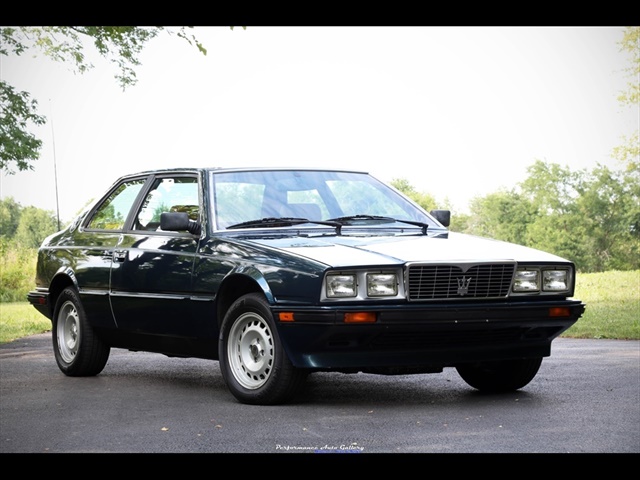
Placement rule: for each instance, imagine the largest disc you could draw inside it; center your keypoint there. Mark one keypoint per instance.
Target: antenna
(55, 168)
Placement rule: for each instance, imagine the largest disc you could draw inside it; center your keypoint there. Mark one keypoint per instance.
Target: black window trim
(150, 178)
(137, 204)
(88, 218)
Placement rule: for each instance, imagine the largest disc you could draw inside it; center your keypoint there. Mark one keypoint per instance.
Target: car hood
(390, 250)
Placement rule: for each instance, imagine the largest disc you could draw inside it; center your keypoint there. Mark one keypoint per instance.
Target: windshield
(247, 196)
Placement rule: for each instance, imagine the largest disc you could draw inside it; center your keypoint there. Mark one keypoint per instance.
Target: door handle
(119, 255)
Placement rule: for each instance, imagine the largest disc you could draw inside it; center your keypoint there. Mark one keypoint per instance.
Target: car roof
(237, 169)
(241, 169)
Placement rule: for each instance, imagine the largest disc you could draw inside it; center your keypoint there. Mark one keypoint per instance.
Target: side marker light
(286, 316)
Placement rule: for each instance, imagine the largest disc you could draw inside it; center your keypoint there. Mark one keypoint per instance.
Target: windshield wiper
(272, 222)
(338, 222)
(378, 218)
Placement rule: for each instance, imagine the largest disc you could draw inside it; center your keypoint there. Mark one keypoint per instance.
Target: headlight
(363, 285)
(555, 280)
(527, 281)
(542, 280)
(341, 286)
(382, 284)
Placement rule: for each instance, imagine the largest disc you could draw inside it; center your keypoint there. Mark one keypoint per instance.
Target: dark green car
(279, 273)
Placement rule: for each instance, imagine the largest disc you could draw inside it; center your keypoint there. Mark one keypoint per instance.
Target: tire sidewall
(267, 393)
(91, 353)
(502, 376)
(67, 295)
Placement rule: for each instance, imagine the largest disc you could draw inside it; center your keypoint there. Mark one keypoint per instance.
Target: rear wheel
(78, 351)
(502, 376)
(253, 362)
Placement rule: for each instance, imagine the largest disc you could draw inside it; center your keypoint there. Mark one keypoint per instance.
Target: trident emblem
(463, 285)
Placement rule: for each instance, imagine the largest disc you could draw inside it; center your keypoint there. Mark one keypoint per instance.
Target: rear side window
(113, 212)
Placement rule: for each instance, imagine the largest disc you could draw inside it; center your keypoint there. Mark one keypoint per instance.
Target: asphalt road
(585, 399)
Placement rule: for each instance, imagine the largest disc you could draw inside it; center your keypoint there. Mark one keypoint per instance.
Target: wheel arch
(237, 284)
(63, 278)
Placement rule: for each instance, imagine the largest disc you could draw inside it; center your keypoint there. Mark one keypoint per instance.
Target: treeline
(589, 217)
(25, 226)
(22, 230)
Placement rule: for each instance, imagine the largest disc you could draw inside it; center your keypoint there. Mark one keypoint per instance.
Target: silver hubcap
(250, 351)
(68, 332)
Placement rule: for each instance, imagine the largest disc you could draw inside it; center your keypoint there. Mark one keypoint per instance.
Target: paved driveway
(585, 399)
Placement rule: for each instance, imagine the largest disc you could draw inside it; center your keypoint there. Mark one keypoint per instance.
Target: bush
(17, 271)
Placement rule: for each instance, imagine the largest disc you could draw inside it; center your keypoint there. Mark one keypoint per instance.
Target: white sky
(457, 111)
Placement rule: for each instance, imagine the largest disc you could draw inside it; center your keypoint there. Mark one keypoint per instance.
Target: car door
(97, 240)
(151, 273)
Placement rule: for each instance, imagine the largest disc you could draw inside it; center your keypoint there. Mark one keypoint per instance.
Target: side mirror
(178, 221)
(443, 216)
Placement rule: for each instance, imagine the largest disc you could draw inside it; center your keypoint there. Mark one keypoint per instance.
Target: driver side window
(168, 194)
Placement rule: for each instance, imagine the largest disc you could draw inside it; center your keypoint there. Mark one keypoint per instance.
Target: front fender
(252, 273)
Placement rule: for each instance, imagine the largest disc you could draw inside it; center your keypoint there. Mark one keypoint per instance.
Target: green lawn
(19, 319)
(613, 306)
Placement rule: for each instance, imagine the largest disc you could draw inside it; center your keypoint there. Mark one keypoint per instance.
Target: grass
(613, 306)
(20, 319)
(612, 298)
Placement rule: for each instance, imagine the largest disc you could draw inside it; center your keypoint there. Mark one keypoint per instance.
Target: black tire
(253, 362)
(502, 376)
(78, 351)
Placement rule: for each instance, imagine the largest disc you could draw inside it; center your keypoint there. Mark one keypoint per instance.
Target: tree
(551, 188)
(35, 225)
(503, 215)
(425, 200)
(607, 211)
(16, 143)
(120, 45)
(628, 154)
(630, 43)
(10, 211)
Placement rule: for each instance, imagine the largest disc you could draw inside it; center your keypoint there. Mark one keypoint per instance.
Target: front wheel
(500, 376)
(253, 362)
(78, 351)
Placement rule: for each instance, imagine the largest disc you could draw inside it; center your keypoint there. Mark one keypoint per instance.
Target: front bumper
(424, 338)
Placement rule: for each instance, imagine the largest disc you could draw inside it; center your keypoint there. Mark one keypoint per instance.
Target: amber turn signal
(559, 312)
(286, 316)
(360, 317)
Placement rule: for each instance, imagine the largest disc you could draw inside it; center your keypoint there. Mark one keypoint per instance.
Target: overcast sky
(457, 111)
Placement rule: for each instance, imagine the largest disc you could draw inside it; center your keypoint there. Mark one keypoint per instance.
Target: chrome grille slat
(459, 281)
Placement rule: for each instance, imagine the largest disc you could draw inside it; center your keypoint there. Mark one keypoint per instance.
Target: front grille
(460, 281)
